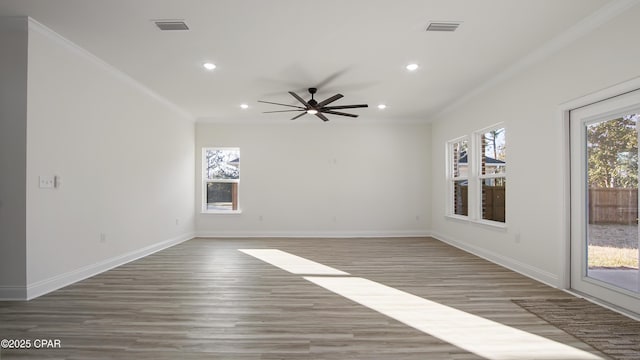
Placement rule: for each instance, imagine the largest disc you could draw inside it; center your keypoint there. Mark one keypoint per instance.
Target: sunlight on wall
(472, 333)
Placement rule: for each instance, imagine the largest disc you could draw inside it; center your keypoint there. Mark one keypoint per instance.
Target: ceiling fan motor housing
(312, 102)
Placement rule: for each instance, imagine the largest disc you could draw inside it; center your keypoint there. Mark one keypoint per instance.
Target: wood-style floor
(204, 299)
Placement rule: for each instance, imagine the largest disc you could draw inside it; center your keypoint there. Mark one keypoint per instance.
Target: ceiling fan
(316, 108)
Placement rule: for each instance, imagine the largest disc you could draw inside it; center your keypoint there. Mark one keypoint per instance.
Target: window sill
(486, 223)
(221, 212)
(457, 218)
(491, 224)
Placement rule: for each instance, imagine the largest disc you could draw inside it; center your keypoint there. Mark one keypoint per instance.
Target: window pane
(461, 197)
(612, 198)
(493, 152)
(612, 152)
(222, 164)
(222, 196)
(493, 199)
(459, 161)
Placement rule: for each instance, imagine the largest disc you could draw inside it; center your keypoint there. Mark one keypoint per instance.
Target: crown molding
(34, 25)
(577, 31)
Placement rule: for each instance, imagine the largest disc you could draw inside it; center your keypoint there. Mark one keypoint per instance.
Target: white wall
(125, 159)
(528, 103)
(323, 179)
(13, 153)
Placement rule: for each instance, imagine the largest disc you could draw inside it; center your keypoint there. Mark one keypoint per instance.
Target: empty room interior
(412, 179)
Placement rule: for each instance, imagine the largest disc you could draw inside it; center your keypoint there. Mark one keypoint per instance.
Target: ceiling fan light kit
(316, 108)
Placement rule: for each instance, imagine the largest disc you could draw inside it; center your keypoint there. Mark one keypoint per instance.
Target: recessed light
(412, 67)
(382, 106)
(209, 66)
(244, 106)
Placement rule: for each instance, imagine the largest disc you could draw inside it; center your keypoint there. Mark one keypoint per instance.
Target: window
(492, 174)
(477, 176)
(458, 177)
(221, 178)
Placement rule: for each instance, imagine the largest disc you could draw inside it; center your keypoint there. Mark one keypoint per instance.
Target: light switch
(47, 181)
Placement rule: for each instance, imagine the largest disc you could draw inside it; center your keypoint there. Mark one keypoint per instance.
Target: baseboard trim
(12, 293)
(8, 293)
(56, 282)
(527, 270)
(312, 234)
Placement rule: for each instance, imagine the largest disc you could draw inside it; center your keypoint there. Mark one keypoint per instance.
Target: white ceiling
(263, 49)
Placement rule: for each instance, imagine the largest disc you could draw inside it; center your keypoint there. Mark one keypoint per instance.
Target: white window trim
(474, 178)
(491, 223)
(479, 177)
(205, 181)
(451, 179)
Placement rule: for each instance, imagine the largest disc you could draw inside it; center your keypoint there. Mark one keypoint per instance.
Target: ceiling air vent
(166, 25)
(443, 26)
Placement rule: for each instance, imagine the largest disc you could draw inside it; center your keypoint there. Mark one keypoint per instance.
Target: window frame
(452, 178)
(235, 194)
(478, 137)
(474, 177)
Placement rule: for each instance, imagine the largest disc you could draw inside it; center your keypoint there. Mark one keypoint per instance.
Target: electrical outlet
(47, 181)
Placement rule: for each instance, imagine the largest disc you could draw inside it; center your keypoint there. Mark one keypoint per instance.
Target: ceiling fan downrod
(312, 102)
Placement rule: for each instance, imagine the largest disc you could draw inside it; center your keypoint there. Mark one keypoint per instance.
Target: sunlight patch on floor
(483, 337)
(292, 263)
(475, 334)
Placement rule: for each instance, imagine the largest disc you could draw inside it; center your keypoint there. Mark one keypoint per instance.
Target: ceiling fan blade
(279, 111)
(329, 100)
(297, 116)
(329, 79)
(339, 113)
(345, 107)
(274, 103)
(299, 99)
(324, 118)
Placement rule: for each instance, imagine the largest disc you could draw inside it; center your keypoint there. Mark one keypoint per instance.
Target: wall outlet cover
(47, 181)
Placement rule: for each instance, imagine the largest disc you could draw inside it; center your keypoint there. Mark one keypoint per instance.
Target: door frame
(564, 277)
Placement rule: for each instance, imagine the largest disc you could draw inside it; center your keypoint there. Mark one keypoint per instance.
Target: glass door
(604, 200)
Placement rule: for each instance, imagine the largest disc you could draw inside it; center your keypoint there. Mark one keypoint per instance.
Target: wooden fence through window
(493, 201)
(613, 206)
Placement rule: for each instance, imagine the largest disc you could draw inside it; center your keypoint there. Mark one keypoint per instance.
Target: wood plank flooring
(204, 299)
